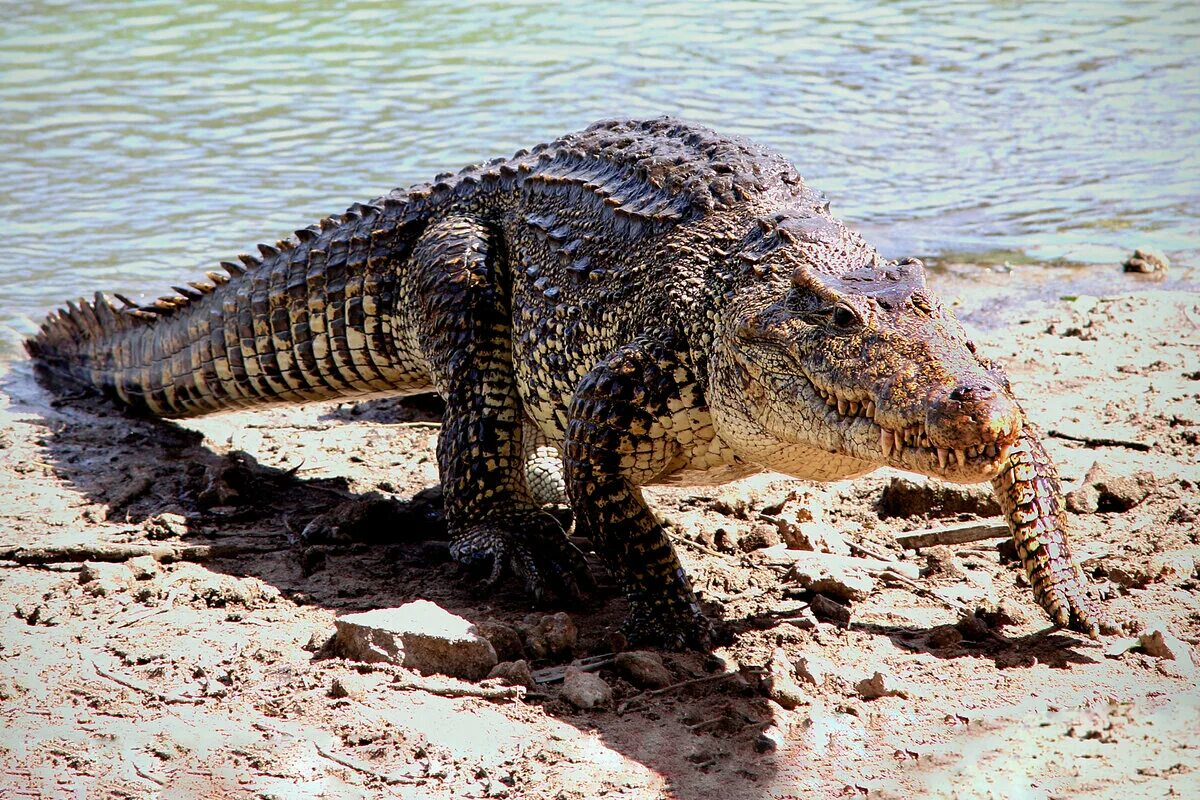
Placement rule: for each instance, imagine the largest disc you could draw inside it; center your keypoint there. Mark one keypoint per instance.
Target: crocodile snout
(977, 411)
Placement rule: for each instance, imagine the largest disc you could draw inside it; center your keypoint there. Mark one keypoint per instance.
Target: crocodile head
(836, 362)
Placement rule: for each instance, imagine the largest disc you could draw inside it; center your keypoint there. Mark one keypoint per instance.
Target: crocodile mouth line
(893, 442)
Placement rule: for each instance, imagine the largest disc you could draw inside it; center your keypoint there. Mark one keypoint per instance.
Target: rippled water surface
(143, 141)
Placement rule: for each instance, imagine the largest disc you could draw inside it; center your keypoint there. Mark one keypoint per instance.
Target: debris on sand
(643, 669)
(1146, 259)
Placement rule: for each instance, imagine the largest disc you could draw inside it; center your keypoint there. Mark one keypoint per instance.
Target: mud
(189, 657)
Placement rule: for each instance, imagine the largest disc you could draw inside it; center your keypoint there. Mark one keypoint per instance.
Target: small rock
(833, 578)
(830, 610)
(781, 683)
(514, 673)
(103, 570)
(944, 636)
(1161, 643)
(504, 638)
(101, 579)
(942, 562)
(318, 638)
(419, 635)
(876, 687)
(585, 690)
(343, 686)
(552, 636)
(1117, 492)
(760, 535)
(1084, 500)
(770, 740)
(908, 498)
(643, 669)
(1145, 259)
(165, 526)
(143, 568)
(815, 536)
(813, 669)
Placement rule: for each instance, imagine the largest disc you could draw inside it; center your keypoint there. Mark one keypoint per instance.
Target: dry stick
(146, 690)
(1101, 441)
(447, 689)
(358, 766)
(954, 534)
(124, 552)
(702, 547)
(625, 706)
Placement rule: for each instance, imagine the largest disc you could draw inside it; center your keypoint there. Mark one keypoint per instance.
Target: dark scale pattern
(652, 300)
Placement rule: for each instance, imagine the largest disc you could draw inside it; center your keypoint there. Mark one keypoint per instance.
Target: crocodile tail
(310, 318)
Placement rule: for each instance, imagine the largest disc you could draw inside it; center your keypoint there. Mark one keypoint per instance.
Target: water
(140, 142)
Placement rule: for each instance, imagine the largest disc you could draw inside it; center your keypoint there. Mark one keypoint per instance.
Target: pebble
(504, 638)
(419, 635)
(585, 690)
(813, 669)
(165, 526)
(1161, 643)
(877, 686)
(514, 673)
(143, 568)
(781, 683)
(1146, 259)
(830, 610)
(643, 669)
(102, 578)
(944, 636)
(833, 578)
(551, 636)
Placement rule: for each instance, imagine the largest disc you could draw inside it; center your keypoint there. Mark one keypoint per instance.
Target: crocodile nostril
(979, 392)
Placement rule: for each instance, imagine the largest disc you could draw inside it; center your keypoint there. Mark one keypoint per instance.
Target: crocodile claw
(535, 550)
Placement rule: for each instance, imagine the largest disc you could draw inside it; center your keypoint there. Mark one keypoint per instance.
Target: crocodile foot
(671, 626)
(533, 547)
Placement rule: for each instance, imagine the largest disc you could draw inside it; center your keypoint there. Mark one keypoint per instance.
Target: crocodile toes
(535, 550)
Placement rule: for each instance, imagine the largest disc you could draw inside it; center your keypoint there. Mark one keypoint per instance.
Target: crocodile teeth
(843, 407)
(943, 456)
(960, 456)
(898, 442)
(829, 401)
(925, 441)
(870, 409)
(853, 408)
(991, 450)
(886, 442)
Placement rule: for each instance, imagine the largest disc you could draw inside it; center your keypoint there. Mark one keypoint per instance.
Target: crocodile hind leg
(463, 326)
(620, 435)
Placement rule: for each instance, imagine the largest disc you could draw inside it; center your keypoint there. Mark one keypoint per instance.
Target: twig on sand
(99, 551)
(450, 688)
(146, 690)
(1102, 441)
(354, 764)
(954, 534)
(640, 698)
(703, 548)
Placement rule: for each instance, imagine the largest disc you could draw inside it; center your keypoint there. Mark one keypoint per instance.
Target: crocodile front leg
(463, 327)
(1028, 491)
(621, 433)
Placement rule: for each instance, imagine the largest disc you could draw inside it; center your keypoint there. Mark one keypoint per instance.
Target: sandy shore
(206, 676)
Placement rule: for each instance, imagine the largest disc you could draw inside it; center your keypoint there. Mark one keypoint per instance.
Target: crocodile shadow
(154, 482)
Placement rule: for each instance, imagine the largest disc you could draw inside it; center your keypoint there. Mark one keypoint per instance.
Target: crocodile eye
(844, 318)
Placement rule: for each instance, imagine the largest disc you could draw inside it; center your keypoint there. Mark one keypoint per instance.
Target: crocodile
(649, 302)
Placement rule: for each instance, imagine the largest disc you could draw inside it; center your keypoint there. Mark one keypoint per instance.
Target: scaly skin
(654, 301)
